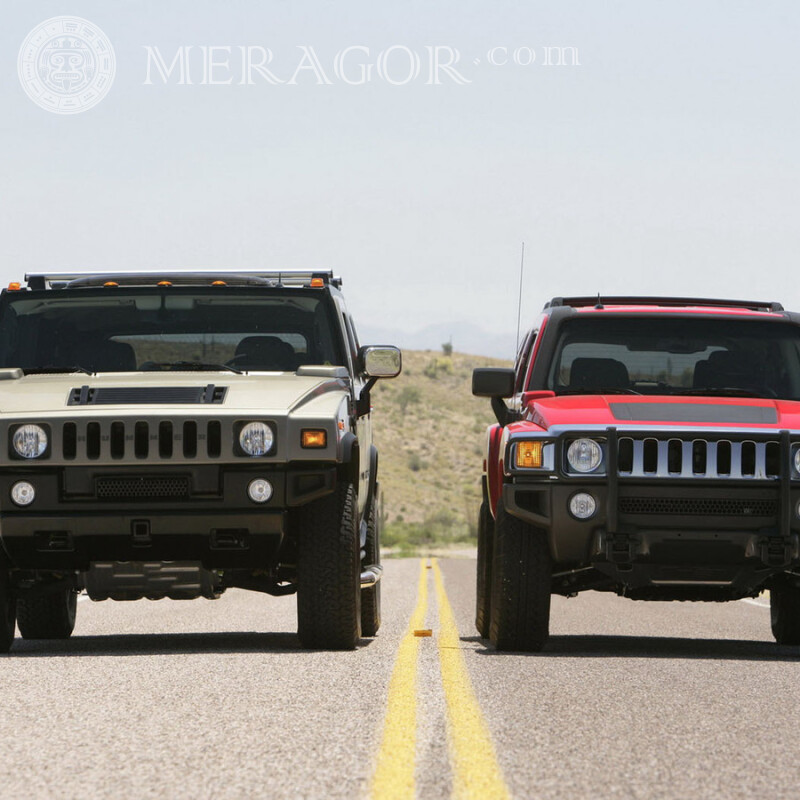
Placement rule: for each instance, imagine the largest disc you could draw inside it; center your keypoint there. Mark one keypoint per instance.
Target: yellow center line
(394, 771)
(476, 772)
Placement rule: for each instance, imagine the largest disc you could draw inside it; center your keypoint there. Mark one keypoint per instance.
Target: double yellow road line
(476, 772)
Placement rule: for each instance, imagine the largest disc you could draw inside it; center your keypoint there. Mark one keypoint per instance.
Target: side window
(351, 341)
(354, 332)
(523, 360)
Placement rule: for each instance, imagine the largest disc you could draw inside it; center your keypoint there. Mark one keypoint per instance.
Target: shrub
(408, 395)
(415, 463)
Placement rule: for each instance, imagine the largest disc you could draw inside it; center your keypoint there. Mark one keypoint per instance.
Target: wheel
(521, 575)
(484, 582)
(8, 613)
(784, 611)
(371, 596)
(48, 616)
(329, 572)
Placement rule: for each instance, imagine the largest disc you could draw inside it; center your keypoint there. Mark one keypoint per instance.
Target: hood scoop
(695, 412)
(146, 395)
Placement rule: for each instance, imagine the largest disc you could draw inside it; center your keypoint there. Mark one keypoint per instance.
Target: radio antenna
(519, 304)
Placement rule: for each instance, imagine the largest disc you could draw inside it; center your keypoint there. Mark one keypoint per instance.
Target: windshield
(117, 330)
(676, 355)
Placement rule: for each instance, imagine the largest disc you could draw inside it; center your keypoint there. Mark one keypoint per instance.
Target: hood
(665, 411)
(268, 394)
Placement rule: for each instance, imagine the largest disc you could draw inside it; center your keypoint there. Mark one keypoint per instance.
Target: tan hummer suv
(175, 435)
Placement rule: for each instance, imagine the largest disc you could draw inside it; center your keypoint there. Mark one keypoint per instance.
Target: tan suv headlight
(29, 441)
(256, 438)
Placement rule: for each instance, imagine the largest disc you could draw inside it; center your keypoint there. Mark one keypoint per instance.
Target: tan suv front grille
(140, 439)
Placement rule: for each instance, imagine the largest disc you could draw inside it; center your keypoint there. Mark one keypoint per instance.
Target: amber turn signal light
(529, 455)
(317, 283)
(314, 438)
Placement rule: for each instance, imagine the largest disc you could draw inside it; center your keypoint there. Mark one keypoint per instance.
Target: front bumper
(666, 530)
(75, 518)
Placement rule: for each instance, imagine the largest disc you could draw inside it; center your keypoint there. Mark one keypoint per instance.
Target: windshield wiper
(189, 365)
(596, 391)
(51, 369)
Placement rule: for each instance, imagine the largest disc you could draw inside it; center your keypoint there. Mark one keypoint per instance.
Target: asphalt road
(215, 699)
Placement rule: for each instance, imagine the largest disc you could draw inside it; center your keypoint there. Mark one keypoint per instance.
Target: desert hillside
(430, 431)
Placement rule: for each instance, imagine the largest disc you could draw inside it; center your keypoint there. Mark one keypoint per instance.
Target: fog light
(582, 505)
(529, 455)
(259, 490)
(23, 493)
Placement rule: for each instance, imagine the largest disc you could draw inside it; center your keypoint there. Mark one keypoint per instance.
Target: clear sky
(666, 162)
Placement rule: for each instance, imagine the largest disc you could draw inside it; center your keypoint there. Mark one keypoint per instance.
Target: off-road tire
(784, 611)
(371, 596)
(483, 591)
(8, 613)
(329, 572)
(521, 575)
(48, 616)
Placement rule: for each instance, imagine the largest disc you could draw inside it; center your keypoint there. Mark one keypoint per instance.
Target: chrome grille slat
(761, 461)
(711, 460)
(754, 452)
(686, 460)
(662, 470)
(736, 460)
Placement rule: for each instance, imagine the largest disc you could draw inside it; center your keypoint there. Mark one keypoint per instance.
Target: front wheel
(329, 572)
(521, 576)
(784, 611)
(8, 613)
(48, 616)
(371, 596)
(484, 576)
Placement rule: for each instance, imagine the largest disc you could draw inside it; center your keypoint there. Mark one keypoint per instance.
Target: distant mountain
(465, 336)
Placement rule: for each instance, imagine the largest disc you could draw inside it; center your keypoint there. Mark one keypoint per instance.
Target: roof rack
(232, 277)
(599, 301)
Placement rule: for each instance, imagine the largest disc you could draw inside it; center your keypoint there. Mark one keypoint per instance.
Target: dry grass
(431, 433)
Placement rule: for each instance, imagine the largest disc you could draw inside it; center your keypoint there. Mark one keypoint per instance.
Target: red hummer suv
(644, 446)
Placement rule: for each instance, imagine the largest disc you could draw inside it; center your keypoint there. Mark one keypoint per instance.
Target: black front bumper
(638, 550)
(73, 521)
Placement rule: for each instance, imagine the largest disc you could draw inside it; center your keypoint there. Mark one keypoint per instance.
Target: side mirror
(493, 382)
(380, 361)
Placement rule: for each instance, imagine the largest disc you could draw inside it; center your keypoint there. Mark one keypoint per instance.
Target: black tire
(8, 613)
(521, 575)
(48, 616)
(329, 572)
(484, 583)
(371, 596)
(784, 611)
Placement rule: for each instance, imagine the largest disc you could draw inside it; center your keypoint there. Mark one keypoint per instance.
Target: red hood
(703, 412)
